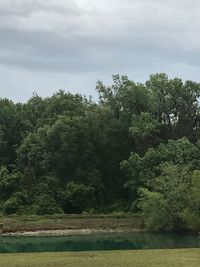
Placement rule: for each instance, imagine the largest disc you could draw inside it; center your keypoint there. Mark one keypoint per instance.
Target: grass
(61, 222)
(135, 258)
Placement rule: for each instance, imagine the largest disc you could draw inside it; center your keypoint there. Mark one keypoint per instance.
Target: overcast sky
(61, 44)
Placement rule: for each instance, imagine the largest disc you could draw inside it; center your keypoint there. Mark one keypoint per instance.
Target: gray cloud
(84, 40)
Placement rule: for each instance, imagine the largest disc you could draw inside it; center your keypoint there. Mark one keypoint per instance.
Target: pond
(117, 241)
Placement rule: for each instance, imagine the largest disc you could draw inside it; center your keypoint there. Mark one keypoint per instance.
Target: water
(120, 241)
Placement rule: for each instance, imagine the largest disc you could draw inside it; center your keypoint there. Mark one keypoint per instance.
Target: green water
(120, 241)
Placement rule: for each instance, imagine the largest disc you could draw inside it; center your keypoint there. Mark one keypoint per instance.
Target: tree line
(137, 149)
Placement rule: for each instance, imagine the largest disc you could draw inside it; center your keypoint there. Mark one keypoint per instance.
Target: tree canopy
(137, 149)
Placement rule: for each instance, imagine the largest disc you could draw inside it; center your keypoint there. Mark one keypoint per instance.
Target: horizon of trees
(137, 150)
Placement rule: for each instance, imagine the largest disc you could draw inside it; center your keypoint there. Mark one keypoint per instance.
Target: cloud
(94, 38)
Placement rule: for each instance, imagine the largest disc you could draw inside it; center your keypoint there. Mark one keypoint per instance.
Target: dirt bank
(69, 232)
(67, 224)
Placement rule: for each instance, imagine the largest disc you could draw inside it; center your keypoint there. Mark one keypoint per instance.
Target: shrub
(15, 204)
(46, 205)
(155, 210)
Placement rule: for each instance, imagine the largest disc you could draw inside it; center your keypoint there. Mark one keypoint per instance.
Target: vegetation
(137, 149)
(139, 258)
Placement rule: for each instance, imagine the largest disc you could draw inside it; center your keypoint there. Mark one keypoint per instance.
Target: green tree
(162, 207)
(175, 104)
(145, 131)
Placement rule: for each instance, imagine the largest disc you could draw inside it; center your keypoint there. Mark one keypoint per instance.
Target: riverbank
(139, 258)
(69, 224)
(70, 232)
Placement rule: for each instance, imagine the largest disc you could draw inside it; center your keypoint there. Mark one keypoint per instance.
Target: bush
(171, 194)
(192, 220)
(79, 197)
(154, 210)
(46, 205)
(15, 204)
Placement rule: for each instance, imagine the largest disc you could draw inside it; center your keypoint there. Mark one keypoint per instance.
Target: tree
(145, 130)
(163, 206)
(68, 153)
(175, 104)
(141, 171)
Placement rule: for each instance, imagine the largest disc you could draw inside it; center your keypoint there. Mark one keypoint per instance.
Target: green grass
(34, 223)
(136, 258)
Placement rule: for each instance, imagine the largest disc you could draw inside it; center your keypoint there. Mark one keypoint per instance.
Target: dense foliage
(137, 149)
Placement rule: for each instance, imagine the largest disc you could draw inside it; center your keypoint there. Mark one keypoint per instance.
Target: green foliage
(191, 214)
(137, 149)
(144, 126)
(194, 193)
(145, 131)
(45, 204)
(9, 182)
(175, 104)
(79, 197)
(15, 204)
(192, 220)
(141, 171)
(155, 210)
(173, 203)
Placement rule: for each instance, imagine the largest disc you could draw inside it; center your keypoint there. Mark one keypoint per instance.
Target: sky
(70, 44)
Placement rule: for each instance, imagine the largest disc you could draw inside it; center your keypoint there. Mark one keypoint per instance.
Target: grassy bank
(140, 258)
(70, 222)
